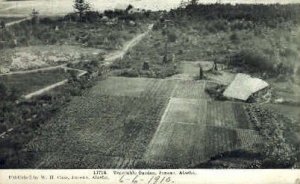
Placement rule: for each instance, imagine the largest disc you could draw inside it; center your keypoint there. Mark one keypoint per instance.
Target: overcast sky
(49, 7)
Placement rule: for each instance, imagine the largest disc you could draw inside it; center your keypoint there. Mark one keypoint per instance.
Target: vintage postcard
(149, 91)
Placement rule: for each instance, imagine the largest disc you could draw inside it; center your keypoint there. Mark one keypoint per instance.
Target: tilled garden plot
(118, 127)
(137, 122)
(193, 131)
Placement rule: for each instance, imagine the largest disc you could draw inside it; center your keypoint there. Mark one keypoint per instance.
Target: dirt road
(35, 70)
(130, 44)
(16, 22)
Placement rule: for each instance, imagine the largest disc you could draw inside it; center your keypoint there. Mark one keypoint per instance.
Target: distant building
(135, 10)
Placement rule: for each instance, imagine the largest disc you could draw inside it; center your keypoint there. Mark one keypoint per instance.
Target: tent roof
(243, 86)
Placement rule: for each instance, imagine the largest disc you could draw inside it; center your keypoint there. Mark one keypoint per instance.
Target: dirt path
(52, 86)
(132, 43)
(16, 22)
(34, 70)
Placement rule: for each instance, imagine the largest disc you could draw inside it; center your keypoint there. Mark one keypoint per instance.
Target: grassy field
(194, 42)
(30, 82)
(265, 46)
(52, 31)
(151, 51)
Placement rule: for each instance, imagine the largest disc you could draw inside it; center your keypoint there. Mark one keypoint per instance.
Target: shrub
(92, 16)
(3, 91)
(277, 149)
(215, 91)
(130, 73)
(298, 71)
(71, 17)
(253, 59)
(216, 26)
(172, 37)
(278, 154)
(146, 66)
(234, 38)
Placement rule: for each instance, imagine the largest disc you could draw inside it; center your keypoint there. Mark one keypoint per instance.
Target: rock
(132, 23)
(104, 19)
(4, 70)
(279, 100)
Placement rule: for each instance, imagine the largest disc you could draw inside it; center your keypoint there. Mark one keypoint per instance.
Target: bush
(130, 73)
(92, 16)
(172, 37)
(216, 26)
(277, 149)
(298, 71)
(234, 38)
(278, 154)
(3, 91)
(71, 17)
(254, 60)
(146, 66)
(215, 91)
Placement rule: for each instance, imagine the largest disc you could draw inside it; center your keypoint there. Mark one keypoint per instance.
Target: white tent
(243, 86)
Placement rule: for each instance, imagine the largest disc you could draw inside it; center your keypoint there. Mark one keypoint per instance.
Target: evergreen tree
(81, 7)
(194, 2)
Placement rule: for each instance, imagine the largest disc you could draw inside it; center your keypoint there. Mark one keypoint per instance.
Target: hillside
(151, 90)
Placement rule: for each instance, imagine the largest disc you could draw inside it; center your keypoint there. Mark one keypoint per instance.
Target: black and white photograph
(150, 84)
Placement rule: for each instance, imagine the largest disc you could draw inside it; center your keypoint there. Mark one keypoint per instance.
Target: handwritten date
(142, 179)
